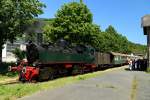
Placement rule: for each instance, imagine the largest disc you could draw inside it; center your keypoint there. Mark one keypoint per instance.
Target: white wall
(4, 51)
(8, 56)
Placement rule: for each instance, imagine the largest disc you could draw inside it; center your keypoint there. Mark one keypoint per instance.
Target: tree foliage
(19, 54)
(111, 40)
(14, 14)
(73, 22)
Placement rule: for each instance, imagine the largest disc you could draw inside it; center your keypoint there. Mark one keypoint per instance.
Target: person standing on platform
(130, 64)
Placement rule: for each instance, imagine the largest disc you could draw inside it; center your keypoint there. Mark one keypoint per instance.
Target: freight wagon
(110, 59)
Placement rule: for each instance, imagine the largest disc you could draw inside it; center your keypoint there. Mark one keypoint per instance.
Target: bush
(4, 70)
(4, 67)
(148, 69)
(19, 54)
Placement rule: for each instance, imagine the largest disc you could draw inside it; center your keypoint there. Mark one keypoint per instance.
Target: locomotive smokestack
(38, 30)
(36, 27)
(32, 52)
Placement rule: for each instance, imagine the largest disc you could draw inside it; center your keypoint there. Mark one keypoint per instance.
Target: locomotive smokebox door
(146, 29)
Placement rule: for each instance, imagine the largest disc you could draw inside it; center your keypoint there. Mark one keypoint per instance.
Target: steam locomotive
(49, 61)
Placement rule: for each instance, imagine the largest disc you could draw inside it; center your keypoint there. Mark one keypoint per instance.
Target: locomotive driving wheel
(77, 69)
(51, 76)
(46, 73)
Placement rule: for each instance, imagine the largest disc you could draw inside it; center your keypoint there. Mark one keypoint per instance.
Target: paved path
(115, 85)
(143, 89)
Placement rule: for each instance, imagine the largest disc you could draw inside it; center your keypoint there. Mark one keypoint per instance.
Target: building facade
(7, 55)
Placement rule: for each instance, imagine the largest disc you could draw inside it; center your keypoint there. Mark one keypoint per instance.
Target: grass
(134, 89)
(14, 91)
(148, 70)
(4, 74)
(3, 78)
(8, 75)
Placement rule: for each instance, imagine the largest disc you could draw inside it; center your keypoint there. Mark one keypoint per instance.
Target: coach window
(116, 58)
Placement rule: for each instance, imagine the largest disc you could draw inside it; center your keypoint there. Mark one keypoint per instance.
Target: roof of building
(117, 54)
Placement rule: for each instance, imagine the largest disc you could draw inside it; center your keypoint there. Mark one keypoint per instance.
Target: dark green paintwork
(58, 57)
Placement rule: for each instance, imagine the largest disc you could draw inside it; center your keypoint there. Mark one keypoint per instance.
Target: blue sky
(124, 15)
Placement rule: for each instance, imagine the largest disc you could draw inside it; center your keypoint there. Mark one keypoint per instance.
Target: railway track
(9, 81)
(15, 80)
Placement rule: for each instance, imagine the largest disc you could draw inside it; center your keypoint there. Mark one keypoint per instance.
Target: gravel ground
(115, 85)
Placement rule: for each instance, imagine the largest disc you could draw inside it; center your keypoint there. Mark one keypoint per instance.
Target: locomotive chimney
(38, 24)
(36, 27)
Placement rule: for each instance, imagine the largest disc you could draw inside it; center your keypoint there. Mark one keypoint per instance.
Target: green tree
(112, 38)
(81, 1)
(19, 54)
(73, 22)
(111, 30)
(115, 41)
(118, 43)
(14, 15)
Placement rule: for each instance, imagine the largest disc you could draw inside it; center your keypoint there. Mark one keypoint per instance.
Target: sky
(124, 15)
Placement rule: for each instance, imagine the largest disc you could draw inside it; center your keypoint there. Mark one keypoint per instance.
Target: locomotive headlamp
(33, 64)
(24, 70)
(16, 63)
(9, 68)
